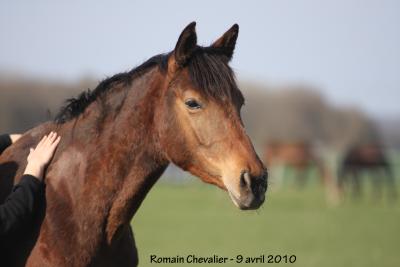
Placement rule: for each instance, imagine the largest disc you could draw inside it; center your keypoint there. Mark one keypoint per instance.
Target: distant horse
(181, 107)
(366, 158)
(298, 156)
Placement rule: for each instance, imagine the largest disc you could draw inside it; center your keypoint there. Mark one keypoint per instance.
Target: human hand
(39, 157)
(15, 137)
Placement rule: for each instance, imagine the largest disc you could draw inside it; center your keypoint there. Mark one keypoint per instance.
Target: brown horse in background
(366, 158)
(297, 155)
(181, 107)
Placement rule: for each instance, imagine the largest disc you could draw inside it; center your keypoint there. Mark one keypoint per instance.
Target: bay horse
(297, 155)
(182, 107)
(366, 158)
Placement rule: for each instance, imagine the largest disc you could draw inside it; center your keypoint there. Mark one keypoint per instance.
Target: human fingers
(41, 142)
(30, 153)
(52, 137)
(48, 150)
(55, 143)
(58, 139)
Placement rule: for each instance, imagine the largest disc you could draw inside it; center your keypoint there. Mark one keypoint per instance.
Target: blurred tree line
(26, 102)
(293, 113)
(300, 113)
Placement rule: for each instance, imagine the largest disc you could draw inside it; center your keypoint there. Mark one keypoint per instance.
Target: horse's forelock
(210, 73)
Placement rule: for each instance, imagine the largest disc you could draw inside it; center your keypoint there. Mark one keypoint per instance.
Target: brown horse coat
(183, 107)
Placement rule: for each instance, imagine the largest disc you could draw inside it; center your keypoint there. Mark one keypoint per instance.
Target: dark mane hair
(211, 75)
(208, 70)
(75, 106)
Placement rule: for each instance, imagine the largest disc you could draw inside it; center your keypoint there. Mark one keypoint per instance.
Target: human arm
(21, 204)
(7, 139)
(15, 137)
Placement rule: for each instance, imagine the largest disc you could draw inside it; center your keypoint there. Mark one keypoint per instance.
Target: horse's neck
(113, 168)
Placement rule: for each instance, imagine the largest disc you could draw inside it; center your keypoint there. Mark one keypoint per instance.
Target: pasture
(194, 218)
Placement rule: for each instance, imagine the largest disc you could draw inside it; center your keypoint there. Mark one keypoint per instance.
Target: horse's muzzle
(252, 191)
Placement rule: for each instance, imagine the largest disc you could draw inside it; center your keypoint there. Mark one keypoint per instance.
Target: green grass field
(194, 218)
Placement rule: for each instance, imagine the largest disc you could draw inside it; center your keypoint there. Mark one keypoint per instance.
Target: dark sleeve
(18, 209)
(5, 141)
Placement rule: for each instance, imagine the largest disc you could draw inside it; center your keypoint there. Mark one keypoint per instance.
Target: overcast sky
(348, 49)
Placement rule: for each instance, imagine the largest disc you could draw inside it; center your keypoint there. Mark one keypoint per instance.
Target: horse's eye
(192, 104)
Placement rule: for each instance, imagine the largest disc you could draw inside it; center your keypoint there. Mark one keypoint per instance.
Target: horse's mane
(76, 106)
(208, 70)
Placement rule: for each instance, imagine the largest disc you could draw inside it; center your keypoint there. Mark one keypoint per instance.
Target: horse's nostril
(265, 175)
(260, 184)
(252, 190)
(245, 179)
(255, 184)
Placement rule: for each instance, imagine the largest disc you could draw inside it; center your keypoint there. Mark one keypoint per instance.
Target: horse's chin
(245, 204)
(234, 199)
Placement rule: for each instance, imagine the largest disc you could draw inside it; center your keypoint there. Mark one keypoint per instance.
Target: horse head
(200, 127)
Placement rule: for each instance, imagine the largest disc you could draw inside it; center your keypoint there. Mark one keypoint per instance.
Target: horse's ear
(227, 41)
(186, 44)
